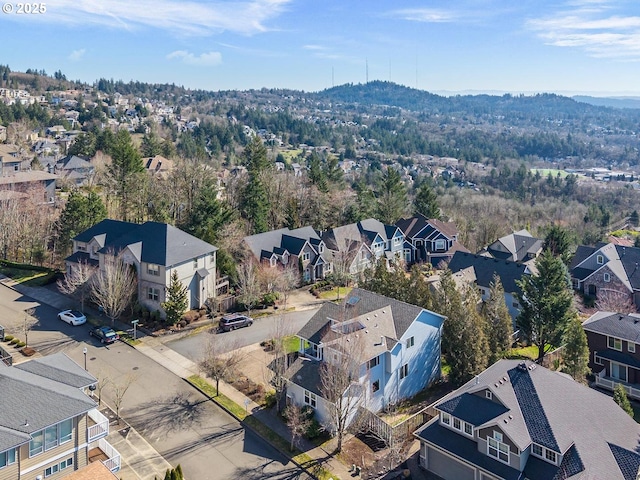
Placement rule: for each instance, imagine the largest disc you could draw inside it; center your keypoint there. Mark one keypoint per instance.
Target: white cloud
(77, 55)
(209, 59)
(592, 26)
(181, 18)
(426, 15)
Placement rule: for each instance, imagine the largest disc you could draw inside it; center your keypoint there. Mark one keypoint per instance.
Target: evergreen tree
(177, 300)
(84, 145)
(79, 213)
(499, 325)
(255, 204)
(634, 218)
(208, 215)
(575, 355)
(391, 197)
(558, 241)
(125, 165)
(621, 398)
(426, 201)
(546, 303)
(151, 145)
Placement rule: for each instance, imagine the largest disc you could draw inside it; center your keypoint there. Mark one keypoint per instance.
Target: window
(397, 240)
(153, 269)
(619, 371)
(597, 360)
(404, 370)
(375, 386)
(497, 449)
(468, 429)
(8, 457)
(272, 261)
(374, 362)
(310, 399)
(305, 256)
(410, 342)
(195, 263)
(488, 394)
(550, 455)
(36, 445)
(51, 470)
(515, 304)
(457, 424)
(153, 294)
(321, 248)
(536, 450)
(61, 466)
(51, 437)
(607, 277)
(82, 248)
(440, 244)
(446, 418)
(480, 291)
(615, 343)
(631, 347)
(600, 259)
(65, 430)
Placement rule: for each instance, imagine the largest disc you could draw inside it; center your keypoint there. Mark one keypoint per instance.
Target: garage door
(448, 468)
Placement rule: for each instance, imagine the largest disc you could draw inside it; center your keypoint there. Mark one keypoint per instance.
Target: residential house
(429, 240)
(75, 169)
(156, 250)
(158, 165)
(3, 133)
(301, 247)
(613, 339)
(49, 425)
(517, 420)
(32, 182)
(607, 270)
(10, 160)
(395, 345)
(519, 246)
(480, 270)
(358, 246)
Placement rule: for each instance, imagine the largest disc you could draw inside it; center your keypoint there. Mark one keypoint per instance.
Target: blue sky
(563, 46)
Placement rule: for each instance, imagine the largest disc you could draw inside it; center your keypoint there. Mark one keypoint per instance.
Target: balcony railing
(100, 427)
(104, 452)
(610, 383)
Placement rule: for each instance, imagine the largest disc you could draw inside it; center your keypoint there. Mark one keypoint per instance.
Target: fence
(391, 434)
(6, 357)
(550, 358)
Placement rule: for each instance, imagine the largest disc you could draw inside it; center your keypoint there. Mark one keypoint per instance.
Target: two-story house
(613, 339)
(519, 246)
(396, 347)
(480, 270)
(301, 247)
(75, 169)
(357, 246)
(10, 160)
(429, 240)
(156, 250)
(517, 420)
(49, 426)
(607, 269)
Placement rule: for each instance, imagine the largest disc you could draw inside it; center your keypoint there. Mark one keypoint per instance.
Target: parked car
(104, 334)
(72, 317)
(233, 321)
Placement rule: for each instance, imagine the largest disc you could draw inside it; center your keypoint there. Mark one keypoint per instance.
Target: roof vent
(384, 311)
(506, 421)
(505, 378)
(496, 385)
(510, 417)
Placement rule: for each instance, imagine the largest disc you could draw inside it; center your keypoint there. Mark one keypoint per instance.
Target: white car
(72, 317)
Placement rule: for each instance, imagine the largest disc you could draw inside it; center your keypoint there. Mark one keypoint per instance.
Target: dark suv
(233, 321)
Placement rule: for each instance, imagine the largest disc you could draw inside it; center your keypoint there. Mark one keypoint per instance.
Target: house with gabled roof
(480, 269)
(301, 247)
(614, 350)
(518, 246)
(607, 269)
(396, 347)
(49, 425)
(517, 420)
(156, 250)
(429, 240)
(74, 168)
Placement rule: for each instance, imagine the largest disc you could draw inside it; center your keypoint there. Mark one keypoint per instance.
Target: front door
(618, 371)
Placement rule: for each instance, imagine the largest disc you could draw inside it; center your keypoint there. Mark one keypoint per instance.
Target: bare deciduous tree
(119, 390)
(277, 368)
(113, 286)
(29, 322)
(614, 301)
(298, 423)
(249, 283)
(220, 358)
(77, 281)
(288, 279)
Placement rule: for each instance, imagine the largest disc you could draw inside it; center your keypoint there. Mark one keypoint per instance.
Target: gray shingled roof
(306, 374)
(539, 399)
(626, 327)
(262, 244)
(486, 267)
(473, 409)
(60, 368)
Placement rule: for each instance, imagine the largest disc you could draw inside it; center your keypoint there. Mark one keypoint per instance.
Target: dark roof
(111, 228)
(73, 162)
(60, 368)
(486, 267)
(538, 469)
(263, 244)
(626, 327)
(619, 357)
(467, 449)
(416, 224)
(161, 243)
(473, 409)
(628, 461)
(82, 257)
(403, 313)
(630, 258)
(582, 253)
(306, 374)
(519, 246)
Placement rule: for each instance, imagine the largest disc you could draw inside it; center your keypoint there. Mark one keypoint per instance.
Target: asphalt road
(173, 417)
(263, 328)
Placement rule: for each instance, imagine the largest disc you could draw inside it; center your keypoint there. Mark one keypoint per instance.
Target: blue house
(394, 346)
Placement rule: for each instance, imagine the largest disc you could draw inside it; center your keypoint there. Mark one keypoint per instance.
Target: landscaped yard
(32, 278)
(335, 293)
(530, 352)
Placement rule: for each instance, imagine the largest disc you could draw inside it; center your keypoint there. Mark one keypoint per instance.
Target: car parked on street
(233, 321)
(72, 317)
(104, 334)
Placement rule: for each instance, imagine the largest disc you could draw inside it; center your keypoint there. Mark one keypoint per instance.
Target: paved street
(192, 346)
(174, 418)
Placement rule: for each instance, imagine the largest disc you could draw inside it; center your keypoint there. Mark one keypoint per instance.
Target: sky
(442, 46)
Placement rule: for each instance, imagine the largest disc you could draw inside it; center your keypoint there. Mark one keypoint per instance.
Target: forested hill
(390, 94)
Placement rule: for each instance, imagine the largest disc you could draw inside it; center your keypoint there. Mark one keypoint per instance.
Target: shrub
(14, 341)
(8, 338)
(314, 430)
(20, 344)
(191, 316)
(155, 316)
(269, 299)
(270, 399)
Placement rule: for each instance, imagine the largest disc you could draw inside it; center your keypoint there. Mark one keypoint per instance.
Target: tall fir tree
(391, 197)
(546, 301)
(126, 164)
(558, 241)
(621, 398)
(176, 300)
(255, 204)
(80, 212)
(575, 355)
(499, 325)
(426, 201)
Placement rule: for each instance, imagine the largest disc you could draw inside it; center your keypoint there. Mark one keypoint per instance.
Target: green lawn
(291, 344)
(546, 171)
(32, 278)
(333, 293)
(530, 352)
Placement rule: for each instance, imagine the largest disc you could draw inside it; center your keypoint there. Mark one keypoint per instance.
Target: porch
(102, 451)
(98, 425)
(603, 381)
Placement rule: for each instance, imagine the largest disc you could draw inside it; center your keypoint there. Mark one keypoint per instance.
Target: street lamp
(84, 351)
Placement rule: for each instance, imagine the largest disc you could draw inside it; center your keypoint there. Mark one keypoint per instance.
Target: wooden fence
(389, 433)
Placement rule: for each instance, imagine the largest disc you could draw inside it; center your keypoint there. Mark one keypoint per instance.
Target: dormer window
(321, 248)
(497, 449)
(445, 418)
(305, 256)
(440, 244)
(600, 259)
(488, 394)
(153, 269)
